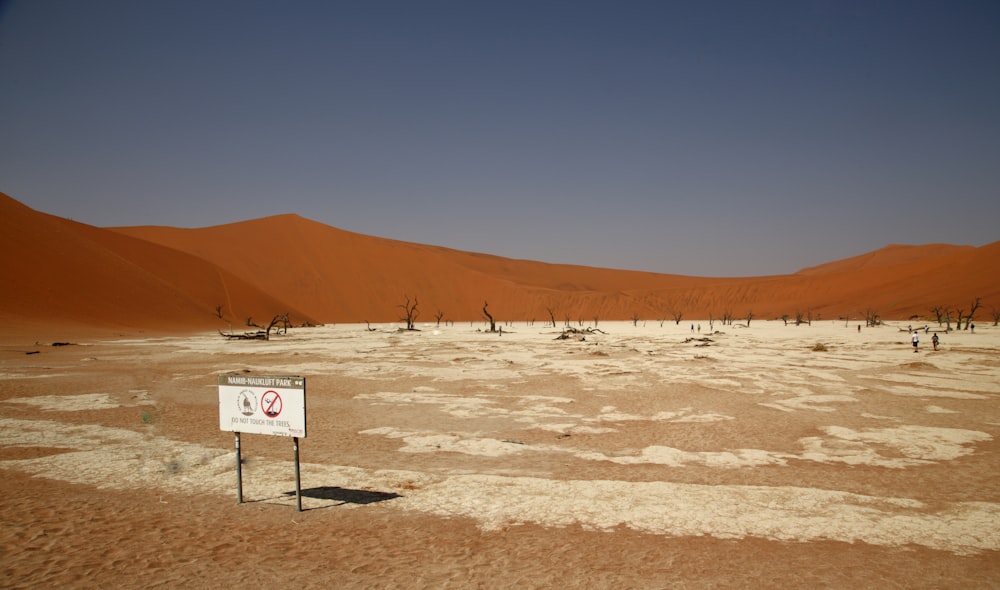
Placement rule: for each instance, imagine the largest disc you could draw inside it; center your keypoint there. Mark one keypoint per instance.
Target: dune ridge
(65, 275)
(164, 278)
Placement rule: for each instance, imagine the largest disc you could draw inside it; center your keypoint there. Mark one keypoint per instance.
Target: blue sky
(700, 138)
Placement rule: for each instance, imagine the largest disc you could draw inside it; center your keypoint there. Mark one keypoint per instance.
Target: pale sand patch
(450, 404)
(813, 402)
(686, 415)
(79, 402)
(935, 381)
(785, 513)
(661, 455)
(611, 414)
(879, 417)
(5, 376)
(531, 411)
(123, 459)
(466, 443)
(572, 428)
(918, 445)
(906, 391)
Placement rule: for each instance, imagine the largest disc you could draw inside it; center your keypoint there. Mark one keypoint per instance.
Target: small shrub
(819, 347)
(173, 466)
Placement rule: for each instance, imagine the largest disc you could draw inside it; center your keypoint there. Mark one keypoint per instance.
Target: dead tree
(493, 325)
(635, 319)
(438, 316)
(578, 334)
(996, 315)
(552, 315)
(262, 332)
(280, 319)
(749, 317)
(410, 312)
(678, 316)
(938, 312)
(972, 312)
(279, 323)
(218, 311)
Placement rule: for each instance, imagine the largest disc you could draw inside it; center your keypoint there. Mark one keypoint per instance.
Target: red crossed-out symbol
(271, 403)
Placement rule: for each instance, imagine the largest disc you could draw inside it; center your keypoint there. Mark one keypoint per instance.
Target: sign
(263, 404)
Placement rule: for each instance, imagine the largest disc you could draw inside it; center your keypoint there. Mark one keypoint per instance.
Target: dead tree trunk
(972, 312)
(274, 322)
(493, 326)
(410, 312)
(262, 332)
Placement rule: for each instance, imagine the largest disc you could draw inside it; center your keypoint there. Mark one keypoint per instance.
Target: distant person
(935, 340)
(692, 327)
(972, 327)
(859, 328)
(927, 329)
(916, 340)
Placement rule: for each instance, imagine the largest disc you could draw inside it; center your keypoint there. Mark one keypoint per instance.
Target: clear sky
(692, 137)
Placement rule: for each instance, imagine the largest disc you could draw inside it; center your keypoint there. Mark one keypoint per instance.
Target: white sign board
(263, 404)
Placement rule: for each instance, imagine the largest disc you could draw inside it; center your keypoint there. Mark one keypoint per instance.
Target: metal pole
(298, 483)
(239, 471)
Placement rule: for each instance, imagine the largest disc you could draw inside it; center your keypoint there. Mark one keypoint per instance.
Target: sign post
(239, 470)
(263, 404)
(298, 484)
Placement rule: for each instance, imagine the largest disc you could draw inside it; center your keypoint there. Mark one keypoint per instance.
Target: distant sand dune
(170, 279)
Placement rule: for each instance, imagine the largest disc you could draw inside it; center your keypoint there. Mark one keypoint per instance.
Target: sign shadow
(344, 495)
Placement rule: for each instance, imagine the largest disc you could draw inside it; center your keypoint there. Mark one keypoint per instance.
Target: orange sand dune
(162, 278)
(890, 256)
(61, 273)
(345, 277)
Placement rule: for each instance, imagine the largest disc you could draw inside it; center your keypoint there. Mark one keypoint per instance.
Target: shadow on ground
(345, 495)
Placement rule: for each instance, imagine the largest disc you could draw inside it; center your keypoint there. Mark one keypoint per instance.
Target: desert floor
(643, 456)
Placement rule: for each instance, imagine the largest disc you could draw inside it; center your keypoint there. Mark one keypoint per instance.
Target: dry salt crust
(770, 366)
